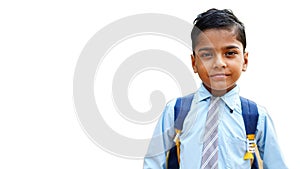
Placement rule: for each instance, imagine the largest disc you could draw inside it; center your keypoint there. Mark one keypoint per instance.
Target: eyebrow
(226, 47)
(205, 48)
(231, 47)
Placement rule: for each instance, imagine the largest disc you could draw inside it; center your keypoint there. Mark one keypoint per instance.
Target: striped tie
(210, 145)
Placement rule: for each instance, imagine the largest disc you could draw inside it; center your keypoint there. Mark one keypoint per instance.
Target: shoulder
(264, 119)
(171, 103)
(168, 111)
(186, 98)
(262, 111)
(263, 114)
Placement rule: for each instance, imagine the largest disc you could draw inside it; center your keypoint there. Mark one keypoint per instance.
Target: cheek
(203, 69)
(204, 66)
(236, 65)
(237, 70)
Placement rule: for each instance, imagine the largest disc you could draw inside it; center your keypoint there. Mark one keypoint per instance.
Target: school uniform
(231, 135)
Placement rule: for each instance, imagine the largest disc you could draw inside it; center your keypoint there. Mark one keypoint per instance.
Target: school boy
(219, 58)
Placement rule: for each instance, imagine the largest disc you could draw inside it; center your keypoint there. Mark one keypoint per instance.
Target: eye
(231, 53)
(206, 55)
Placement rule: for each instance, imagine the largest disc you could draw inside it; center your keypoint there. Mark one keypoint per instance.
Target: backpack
(250, 116)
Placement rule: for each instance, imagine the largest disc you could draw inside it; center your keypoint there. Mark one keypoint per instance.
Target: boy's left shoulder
(263, 114)
(262, 111)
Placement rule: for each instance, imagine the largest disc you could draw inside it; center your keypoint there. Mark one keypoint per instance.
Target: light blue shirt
(231, 135)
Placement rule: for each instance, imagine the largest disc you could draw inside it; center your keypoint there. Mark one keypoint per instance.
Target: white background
(40, 42)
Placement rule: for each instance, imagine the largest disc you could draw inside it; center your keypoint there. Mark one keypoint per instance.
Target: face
(219, 60)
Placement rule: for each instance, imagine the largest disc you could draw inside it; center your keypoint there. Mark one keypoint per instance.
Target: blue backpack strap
(250, 116)
(181, 109)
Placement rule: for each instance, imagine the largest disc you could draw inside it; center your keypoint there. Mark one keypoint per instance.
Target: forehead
(218, 39)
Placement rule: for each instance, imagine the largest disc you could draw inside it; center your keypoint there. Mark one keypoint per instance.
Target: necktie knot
(214, 102)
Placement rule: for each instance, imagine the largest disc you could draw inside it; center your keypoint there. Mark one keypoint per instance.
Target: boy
(213, 134)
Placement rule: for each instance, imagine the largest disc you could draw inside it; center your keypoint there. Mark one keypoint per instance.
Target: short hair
(218, 19)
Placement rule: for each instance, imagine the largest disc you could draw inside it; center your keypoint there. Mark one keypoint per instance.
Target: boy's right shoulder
(170, 106)
(173, 101)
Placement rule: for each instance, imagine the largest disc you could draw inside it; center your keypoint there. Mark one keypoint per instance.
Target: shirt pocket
(235, 149)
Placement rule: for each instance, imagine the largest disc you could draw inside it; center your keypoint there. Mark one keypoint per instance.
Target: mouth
(219, 76)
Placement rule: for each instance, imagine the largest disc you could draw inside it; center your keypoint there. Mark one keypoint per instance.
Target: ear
(193, 59)
(245, 64)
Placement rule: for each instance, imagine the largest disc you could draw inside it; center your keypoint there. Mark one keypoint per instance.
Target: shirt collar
(202, 94)
(231, 98)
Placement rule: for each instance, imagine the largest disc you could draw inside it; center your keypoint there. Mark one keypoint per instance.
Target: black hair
(218, 19)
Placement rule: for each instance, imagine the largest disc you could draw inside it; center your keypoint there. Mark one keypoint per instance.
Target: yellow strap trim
(167, 159)
(248, 155)
(177, 142)
(251, 136)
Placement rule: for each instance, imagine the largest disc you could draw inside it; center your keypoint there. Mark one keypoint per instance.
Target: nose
(219, 61)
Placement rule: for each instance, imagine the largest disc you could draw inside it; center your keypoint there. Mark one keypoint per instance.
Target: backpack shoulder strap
(250, 116)
(181, 109)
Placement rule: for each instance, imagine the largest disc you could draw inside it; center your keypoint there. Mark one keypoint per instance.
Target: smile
(218, 76)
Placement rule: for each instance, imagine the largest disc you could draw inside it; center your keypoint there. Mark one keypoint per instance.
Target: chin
(220, 88)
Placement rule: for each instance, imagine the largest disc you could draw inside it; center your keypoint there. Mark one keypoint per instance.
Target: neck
(219, 93)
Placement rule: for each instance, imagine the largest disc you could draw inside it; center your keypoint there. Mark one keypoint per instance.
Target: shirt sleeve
(162, 139)
(267, 142)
